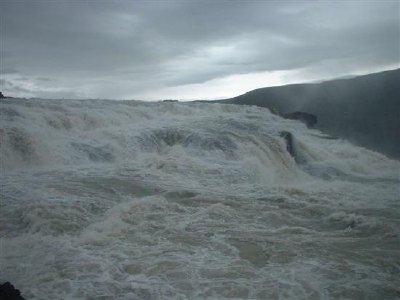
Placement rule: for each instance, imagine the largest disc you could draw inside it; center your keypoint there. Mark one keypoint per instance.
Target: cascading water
(132, 200)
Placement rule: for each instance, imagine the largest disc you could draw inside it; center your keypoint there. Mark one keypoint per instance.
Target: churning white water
(131, 200)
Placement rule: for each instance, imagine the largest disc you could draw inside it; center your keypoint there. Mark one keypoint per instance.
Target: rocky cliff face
(309, 119)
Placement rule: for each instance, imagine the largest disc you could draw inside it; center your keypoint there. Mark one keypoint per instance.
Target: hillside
(363, 109)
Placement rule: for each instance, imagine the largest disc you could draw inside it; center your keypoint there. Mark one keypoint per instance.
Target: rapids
(133, 200)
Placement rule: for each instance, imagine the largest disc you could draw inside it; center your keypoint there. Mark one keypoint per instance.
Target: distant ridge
(363, 109)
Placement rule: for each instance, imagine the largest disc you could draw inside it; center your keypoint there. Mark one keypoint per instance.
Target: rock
(291, 147)
(9, 292)
(288, 137)
(309, 119)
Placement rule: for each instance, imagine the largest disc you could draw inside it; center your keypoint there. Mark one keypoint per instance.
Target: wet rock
(288, 137)
(9, 292)
(309, 119)
(292, 149)
(2, 96)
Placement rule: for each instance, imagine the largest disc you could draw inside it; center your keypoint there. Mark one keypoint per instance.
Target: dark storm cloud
(124, 48)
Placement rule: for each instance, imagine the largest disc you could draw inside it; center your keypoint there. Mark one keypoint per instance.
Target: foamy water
(130, 200)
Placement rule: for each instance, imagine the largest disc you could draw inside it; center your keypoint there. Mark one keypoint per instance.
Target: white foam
(130, 200)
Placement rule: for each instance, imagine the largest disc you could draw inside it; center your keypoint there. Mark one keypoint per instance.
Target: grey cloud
(128, 47)
(10, 87)
(28, 87)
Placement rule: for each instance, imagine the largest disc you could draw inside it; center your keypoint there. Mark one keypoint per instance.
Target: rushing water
(131, 200)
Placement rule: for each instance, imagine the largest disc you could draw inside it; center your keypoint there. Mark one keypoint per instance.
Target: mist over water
(132, 200)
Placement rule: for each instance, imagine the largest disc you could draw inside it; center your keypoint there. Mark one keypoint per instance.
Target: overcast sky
(188, 49)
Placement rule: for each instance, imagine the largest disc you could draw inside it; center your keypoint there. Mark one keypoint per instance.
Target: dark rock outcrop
(9, 292)
(309, 119)
(288, 137)
(291, 147)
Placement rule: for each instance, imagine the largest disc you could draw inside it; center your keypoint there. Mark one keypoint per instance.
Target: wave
(135, 200)
(43, 133)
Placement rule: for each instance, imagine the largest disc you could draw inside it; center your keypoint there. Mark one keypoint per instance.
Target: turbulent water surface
(131, 200)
